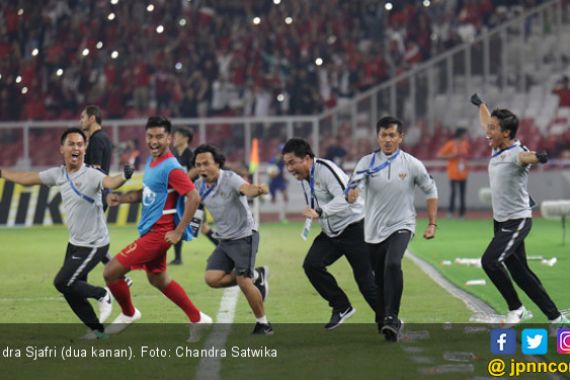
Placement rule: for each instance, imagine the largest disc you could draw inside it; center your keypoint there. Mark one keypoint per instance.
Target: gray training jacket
(329, 185)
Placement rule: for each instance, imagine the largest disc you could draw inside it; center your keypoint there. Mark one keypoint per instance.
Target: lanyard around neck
(371, 169)
(76, 190)
(504, 150)
(204, 191)
(311, 187)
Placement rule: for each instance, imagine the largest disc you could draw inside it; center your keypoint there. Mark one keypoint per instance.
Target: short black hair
(387, 121)
(459, 132)
(92, 110)
(159, 121)
(186, 132)
(219, 158)
(69, 131)
(507, 121)
(299, 147)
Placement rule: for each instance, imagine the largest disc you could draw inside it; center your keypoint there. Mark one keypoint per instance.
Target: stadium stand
(258, 58)
(203, 58)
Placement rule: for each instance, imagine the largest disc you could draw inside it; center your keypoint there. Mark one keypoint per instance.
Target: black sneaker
(262, 329)
(262, 282)
(391, 329)
(339, 317)
(176, 262)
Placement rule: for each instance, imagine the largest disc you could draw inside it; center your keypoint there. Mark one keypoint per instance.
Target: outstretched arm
(132, 196)
(529, 158)
(117, 181)
(22, 178)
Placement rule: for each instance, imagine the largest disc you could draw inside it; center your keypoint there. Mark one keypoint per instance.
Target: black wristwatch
(319, 211)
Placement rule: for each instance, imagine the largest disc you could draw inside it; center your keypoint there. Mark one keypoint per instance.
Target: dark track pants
(386, 258)
(325, 251)
(507, 252)
(71, 281)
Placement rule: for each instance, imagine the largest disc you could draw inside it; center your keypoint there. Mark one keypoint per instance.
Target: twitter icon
(534, 341)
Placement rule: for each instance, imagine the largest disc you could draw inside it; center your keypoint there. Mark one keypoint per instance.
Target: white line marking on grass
(473, 303)
(31, 299)
(60, 298)
(209, 368)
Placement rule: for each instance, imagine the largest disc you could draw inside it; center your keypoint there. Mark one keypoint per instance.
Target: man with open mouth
(81, 189)
(512, 216)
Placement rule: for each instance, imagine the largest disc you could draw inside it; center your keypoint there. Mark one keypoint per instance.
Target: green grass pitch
(32, 256)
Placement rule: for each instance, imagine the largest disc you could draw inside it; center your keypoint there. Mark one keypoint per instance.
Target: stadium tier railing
(500, 63)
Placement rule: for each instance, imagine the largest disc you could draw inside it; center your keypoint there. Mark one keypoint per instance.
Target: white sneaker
(198, 328)
(105, 306)
(516, 316)
(122, 322)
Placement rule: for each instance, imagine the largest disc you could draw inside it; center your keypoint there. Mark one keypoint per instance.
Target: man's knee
(490, 262)
(158, 280)
(113, 271)
(108, 274)
(393, 266)
(310, 265)
(213, 280)
(60, 284)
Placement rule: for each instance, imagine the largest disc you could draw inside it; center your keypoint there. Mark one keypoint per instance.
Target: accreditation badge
(306, 228)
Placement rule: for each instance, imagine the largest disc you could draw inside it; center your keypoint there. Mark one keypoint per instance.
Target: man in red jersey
(164, 182)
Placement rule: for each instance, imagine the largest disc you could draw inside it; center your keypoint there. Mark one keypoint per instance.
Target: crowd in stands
(196, 58)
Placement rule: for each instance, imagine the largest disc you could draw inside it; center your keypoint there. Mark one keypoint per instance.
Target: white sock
(262, 320)
(255, 275)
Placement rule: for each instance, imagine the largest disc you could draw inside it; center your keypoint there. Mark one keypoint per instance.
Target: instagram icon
(563, 341)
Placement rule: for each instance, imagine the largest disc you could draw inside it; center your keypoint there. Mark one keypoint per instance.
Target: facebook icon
(503, 341)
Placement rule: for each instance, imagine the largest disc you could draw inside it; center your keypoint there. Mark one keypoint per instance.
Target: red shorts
(147, 252)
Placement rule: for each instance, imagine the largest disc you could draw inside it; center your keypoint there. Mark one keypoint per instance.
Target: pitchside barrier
(40, 205)
(559, 209)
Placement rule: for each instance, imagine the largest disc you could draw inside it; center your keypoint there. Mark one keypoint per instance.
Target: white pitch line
(472, 302)
(60, 298)
(209, 368)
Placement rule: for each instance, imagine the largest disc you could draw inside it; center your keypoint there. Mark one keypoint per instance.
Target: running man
(81, 188)
(324, 185)
(389, 178)
(512, 216)
(164, 182)
(232, 263)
